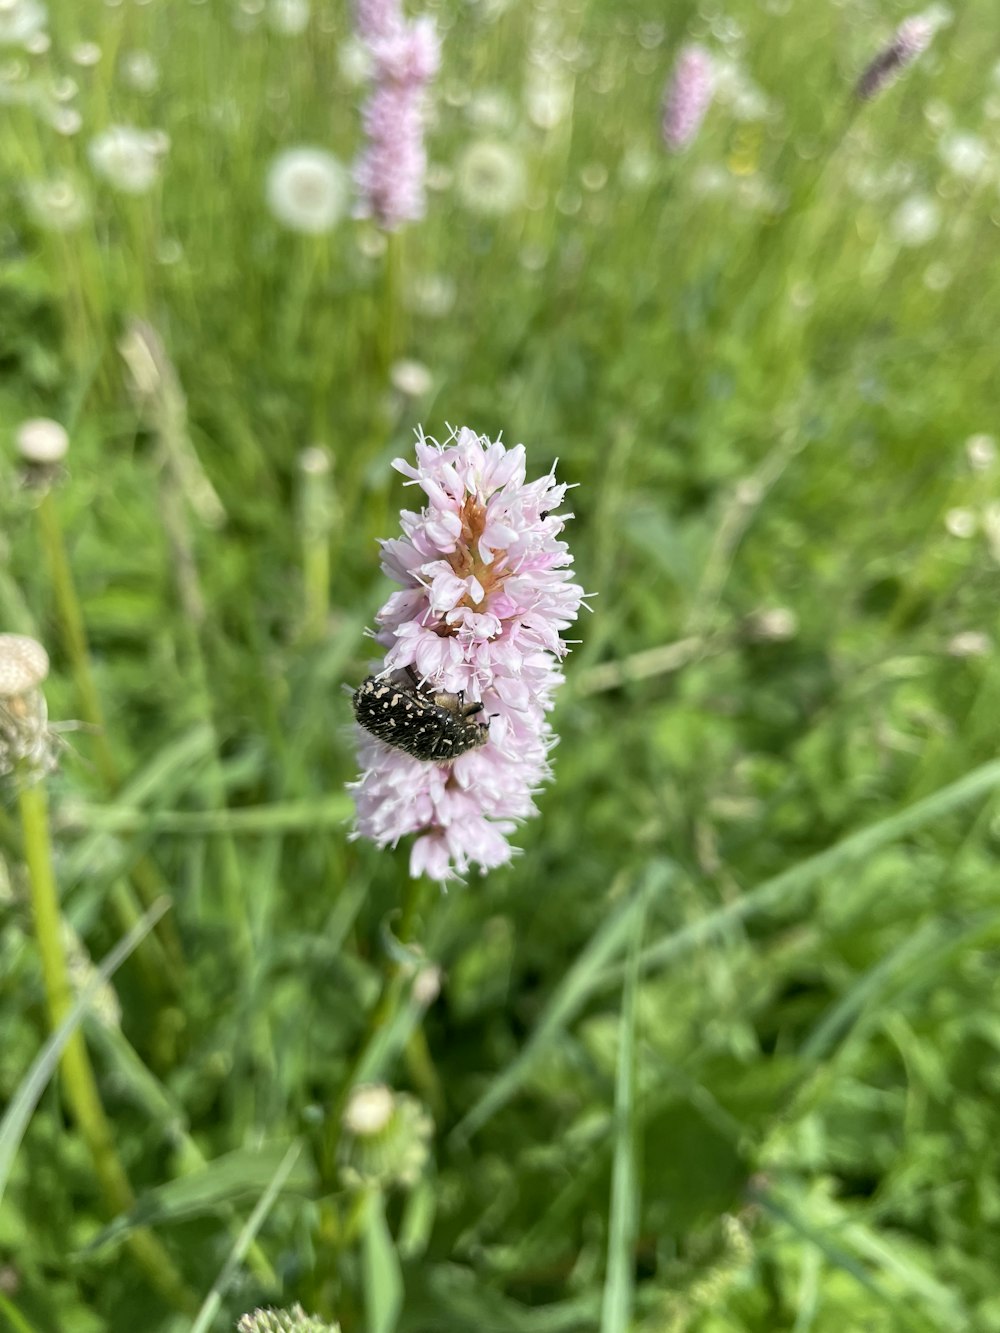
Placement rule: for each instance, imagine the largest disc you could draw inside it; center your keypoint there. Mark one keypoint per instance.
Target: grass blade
(623, 1224)
(25, 1099)
(580, 982)
(783, 888)
(227, 1179)
(383, 1279)
(212, 1302)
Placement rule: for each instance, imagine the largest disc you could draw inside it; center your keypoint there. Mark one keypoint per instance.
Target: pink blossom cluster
(485, 595)
(405, 55)
(910, 40)
(687, 97)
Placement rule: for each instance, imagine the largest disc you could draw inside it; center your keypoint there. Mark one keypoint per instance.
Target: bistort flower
(910, 40)
(390, 173)
(687, 97)
(485, 595)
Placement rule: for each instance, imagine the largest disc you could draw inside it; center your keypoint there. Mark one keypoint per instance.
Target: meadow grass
(717, 1052)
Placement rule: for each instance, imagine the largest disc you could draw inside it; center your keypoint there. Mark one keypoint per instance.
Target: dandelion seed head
(308, 190)
(127, 158)
(44, 442)
(139, 71)
(548, 96)
(290, 18)
(55, 205)
(916, 221)
(354, 62)
(411, 378)
(65, 120)
(965, 155)
(24, 665)
(981, 451)
(961, 522)
(490, 178)
(21, 21)
(85, 54)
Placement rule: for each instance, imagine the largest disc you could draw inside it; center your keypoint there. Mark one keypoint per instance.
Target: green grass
(717, 1053)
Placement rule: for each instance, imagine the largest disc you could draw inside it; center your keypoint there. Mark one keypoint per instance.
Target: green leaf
(237, 1175)
(210, 1305)
(783, 889)
(31, 1087)
(383, 1279)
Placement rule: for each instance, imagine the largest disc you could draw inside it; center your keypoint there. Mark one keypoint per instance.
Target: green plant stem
(78, 1076)
(393, 982)
(143, 875)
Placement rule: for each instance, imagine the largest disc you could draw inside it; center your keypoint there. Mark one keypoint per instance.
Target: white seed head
(20, 21)
(139, 71)
(315, 461)
(490, 178)
(24, 664)
(369, 1109)
(969, 643)
(127, 158)
(916, 221)
(981, 451)
(307, 190)
(960, 522)
(85, 54)
(411, 378)
(427, 985)
(288, 17)
(42, 441)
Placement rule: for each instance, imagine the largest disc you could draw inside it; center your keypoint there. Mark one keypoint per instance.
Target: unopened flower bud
(386, 1139)
(26, 745)
(42, 441)
(294, 1320)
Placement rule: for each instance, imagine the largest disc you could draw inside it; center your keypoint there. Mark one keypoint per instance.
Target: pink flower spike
(389, 174)
(483, 624)
(910, 40)
(687, 97)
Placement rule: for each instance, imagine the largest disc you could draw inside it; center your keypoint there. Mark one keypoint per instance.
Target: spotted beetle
(432, 725)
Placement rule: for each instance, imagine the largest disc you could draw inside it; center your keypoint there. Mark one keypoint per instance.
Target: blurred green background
(718, 1052)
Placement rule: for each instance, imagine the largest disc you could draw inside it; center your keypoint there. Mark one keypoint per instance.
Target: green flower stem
(390, 322)
(316, 511)
(393, 985)
(78, 1076)
(144, 877)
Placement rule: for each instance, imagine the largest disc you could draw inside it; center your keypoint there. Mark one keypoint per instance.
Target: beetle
(432, 725)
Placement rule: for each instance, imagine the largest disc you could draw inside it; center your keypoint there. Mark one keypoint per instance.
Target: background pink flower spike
(687, 97)
(390, 172)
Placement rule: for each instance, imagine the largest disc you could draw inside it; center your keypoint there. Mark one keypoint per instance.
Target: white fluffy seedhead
(24, 664)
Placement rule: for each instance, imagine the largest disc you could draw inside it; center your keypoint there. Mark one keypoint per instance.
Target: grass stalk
(79, 1081)
(144, 878)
